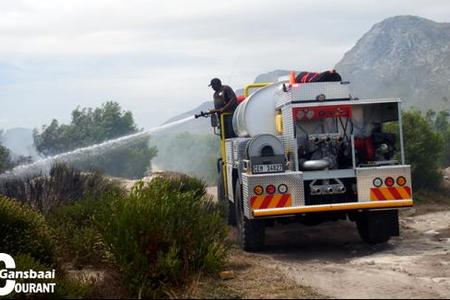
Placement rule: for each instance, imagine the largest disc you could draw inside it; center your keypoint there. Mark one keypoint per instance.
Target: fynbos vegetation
(25, 231)
(163, 233)
(157, 237)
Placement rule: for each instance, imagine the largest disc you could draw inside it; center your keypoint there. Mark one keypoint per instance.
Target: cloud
(156, 57)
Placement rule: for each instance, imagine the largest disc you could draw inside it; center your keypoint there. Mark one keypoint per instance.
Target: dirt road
(333, 262)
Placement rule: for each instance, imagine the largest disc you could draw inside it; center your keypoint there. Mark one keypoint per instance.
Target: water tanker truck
(311, 152)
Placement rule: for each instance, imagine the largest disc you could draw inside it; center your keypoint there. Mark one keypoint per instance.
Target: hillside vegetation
(156, 238)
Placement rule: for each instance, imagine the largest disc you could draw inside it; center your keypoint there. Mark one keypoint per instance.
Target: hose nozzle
(202, 114)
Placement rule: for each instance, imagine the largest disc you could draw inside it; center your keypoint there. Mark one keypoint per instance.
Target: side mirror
(214, 120)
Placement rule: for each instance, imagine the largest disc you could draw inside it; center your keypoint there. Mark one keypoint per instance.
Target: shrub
(172, 182)
(76, 230)
(5, 158)
(64, 184)
(164, 232)
(423, 150)
(25, 231)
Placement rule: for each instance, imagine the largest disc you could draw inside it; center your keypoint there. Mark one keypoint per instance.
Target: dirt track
(331, 259)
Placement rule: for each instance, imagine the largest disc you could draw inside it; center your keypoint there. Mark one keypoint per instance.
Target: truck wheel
(377, 227)
(250, 232)
(230, 211)
(220, 189)
(231, 214)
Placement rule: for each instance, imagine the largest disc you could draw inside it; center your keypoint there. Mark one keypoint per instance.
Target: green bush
(163, 233)
(25, 231)
(423, 150)
(5, 158)
(77, 232)
(170, 182)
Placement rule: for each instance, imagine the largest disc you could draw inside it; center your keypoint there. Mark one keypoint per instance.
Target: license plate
(273, 168)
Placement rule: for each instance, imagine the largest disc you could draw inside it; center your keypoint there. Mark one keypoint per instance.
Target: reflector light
(270, 189)
(401, 181)
(389, 181)
(322, 112)
(378, 182)
(282, 188)
(258, 190)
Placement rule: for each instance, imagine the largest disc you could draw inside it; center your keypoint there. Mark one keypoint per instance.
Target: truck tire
(250, 232)
(220, 189)
(229, 209)
(231, 214)
(376, 227)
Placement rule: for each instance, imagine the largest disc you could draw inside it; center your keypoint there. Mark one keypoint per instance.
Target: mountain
(403, 56)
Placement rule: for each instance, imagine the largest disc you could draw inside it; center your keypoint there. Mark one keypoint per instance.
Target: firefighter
(224, 97)
(225, 101)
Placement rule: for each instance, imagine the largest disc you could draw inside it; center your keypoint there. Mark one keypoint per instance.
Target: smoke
(192, 154)
(20, 143)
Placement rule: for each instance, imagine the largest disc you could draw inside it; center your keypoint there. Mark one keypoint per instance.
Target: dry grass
(106, 282)
(63, 185)
(253, 280)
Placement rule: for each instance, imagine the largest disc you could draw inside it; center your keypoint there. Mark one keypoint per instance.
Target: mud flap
(383, 221)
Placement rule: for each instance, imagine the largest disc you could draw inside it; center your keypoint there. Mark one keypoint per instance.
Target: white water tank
(256, 115)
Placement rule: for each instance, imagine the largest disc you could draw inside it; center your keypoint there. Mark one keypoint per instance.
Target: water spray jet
(44, 165)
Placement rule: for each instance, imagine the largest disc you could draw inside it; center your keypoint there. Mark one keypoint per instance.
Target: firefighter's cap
(215, 81)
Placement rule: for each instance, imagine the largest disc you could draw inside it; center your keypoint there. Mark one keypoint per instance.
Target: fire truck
(311, 152)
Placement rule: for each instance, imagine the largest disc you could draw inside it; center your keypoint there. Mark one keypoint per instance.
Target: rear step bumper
(270, 212)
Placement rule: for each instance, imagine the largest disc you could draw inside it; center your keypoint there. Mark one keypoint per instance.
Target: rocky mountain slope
(402, 56)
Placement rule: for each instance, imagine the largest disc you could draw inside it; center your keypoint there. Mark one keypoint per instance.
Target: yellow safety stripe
(331, 207)
(403, 193)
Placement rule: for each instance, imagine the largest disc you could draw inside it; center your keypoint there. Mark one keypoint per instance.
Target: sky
(156, 57)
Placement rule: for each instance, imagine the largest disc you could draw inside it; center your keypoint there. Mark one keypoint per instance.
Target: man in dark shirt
(224, 97)
(224, 102)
